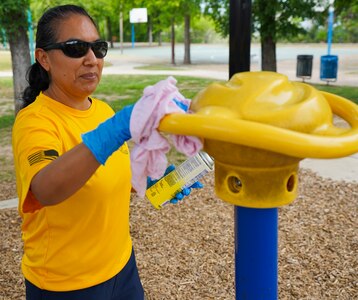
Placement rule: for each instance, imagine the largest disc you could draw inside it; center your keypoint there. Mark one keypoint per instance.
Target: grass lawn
(120, 90)
(5, 60)
(348, 92)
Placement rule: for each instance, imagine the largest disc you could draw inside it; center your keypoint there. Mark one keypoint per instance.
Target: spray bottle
(186, 174)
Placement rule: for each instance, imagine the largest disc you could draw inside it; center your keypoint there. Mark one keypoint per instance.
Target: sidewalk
(211, 61)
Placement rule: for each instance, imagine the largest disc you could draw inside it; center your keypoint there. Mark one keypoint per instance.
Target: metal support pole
(256, 230)
(240, 36)
(121, 27)
(133, 35)
(3, 34)
(256, 253)
(330, 29)
(31, 36)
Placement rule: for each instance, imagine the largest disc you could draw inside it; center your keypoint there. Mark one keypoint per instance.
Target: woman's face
(73, 79)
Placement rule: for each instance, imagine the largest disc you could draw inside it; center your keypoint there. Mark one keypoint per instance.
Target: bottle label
(183, 176)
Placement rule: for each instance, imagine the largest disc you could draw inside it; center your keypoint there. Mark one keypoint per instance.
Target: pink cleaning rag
(148, 156)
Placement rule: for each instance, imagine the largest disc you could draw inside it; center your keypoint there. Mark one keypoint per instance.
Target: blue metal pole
(133, 35)
(31, 36)
(256, 253)
(3, 34)
(330, 29)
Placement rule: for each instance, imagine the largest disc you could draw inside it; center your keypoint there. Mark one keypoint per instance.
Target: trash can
(329, 67)
(304, 66)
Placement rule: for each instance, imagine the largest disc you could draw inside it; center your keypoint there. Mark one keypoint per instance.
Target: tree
(273, 19)
(13, 19)
(277, 19)
(189, 9)
(108, 13)
(346, 13)
(164, 14)
(218, 12)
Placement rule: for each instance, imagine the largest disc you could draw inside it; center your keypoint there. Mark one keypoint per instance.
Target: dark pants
(125, 285)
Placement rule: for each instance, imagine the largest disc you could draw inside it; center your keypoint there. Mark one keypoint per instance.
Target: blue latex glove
(181, 105)
(185, 192)
(110, 135)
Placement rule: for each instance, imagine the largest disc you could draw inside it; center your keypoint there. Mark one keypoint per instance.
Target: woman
(73, 175)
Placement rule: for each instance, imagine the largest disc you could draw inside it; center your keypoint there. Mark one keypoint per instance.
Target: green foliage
(345, 34)
(218, 11)
(3, 38)
(98, 9)
(106, 12)
(345, 28)
(7, 121)
(273, 18)
(202, 31)
(13, 14)
(282, 19)
(347, 18)
(347, 8)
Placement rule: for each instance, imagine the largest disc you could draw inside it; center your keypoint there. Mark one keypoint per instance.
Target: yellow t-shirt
(84, 240)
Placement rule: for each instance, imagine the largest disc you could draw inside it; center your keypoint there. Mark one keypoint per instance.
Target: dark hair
(37, 76)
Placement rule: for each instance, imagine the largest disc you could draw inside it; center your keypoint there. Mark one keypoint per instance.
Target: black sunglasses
(78, 48)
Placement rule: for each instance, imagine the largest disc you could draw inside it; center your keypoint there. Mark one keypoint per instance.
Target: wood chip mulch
(7, 190)
(186, 251)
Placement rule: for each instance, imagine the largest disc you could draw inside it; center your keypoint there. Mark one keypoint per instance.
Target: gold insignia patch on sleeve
(41, 156)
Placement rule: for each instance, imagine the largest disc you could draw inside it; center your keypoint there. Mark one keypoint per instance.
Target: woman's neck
(80, 103)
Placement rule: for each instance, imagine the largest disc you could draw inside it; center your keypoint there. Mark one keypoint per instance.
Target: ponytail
(38, 80)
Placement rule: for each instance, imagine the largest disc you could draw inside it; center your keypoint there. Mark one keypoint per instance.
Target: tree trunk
(109, 32)
(160, 38)
(150, 31)
(21, 61)
(173, 41)
(268, 54)
(121, 28)
(267, 20)
(187, 60)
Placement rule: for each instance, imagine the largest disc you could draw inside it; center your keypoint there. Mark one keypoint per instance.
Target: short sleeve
(36, 143)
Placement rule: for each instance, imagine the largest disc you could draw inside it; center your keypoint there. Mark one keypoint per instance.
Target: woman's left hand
(185, 192)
